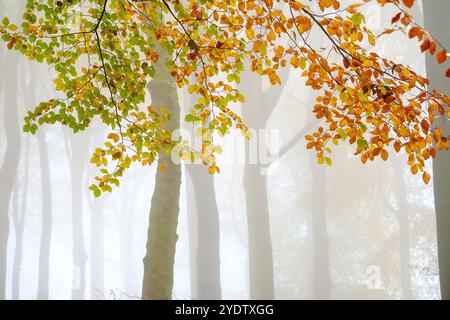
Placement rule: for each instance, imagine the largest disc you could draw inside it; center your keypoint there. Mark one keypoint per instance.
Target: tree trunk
(208, 240)
(256, 112)
(193, 234)
(46, 223)
(77, 166)
(436, 18)
(321, 252)
(126, 239)
(204, 229)
(162, 230)
(18, 231)
(403, 225)
(97, 250)
(10, 162)
(259, 240)
(19, 222)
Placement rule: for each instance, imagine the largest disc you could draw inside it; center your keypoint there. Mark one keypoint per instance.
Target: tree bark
(162, 230)
(436, 18)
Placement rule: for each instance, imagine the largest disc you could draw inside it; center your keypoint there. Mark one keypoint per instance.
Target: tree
(8, 170)
(162, 229)
(204, 230)
(255, 185)
(105, 56)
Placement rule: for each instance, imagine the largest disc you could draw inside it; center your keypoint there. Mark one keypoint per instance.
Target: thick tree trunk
(46, 223)
(10, 162)
(436, 18)
(162, 230)
(208, 239)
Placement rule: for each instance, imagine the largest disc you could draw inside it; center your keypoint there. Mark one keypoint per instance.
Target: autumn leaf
(425, 45)
(426, 177)
(441, 56)
(408, 3)
(415, 32)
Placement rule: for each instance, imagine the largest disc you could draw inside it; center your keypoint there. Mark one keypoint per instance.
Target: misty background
(300, 230)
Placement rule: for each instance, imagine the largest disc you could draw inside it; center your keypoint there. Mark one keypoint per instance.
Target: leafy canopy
(104, 53)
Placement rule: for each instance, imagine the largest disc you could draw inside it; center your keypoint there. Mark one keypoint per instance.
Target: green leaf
(357, 18)
(189, 118)
(362, 143)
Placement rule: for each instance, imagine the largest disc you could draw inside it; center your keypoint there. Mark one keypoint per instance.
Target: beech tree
(106, 53)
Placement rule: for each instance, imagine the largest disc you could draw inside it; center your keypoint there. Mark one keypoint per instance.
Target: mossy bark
(162, 229)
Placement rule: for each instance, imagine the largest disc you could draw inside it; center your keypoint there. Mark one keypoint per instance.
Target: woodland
(224, 149)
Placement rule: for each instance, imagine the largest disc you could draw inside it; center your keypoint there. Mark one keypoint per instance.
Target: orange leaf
(426, 178)
(415, 32)
(432, 47)
(441, 56)
(384, 155)
(396, 17)
(425, 45)
(408, 3)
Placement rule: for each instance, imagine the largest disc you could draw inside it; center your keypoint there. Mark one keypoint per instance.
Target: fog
(281, 227)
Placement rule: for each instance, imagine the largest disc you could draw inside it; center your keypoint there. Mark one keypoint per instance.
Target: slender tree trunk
(46, 223)
(403, 224)
(321, 252)
(77, 166)
(193, 235)
(203, 220)
(8, 171)
(126, 240)
(162, 231)
(208, 240)
(436, 18)
(19, 222)
(18, 231)
(97, 249)
(259, 240)
(97, 241)
(255, 185)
